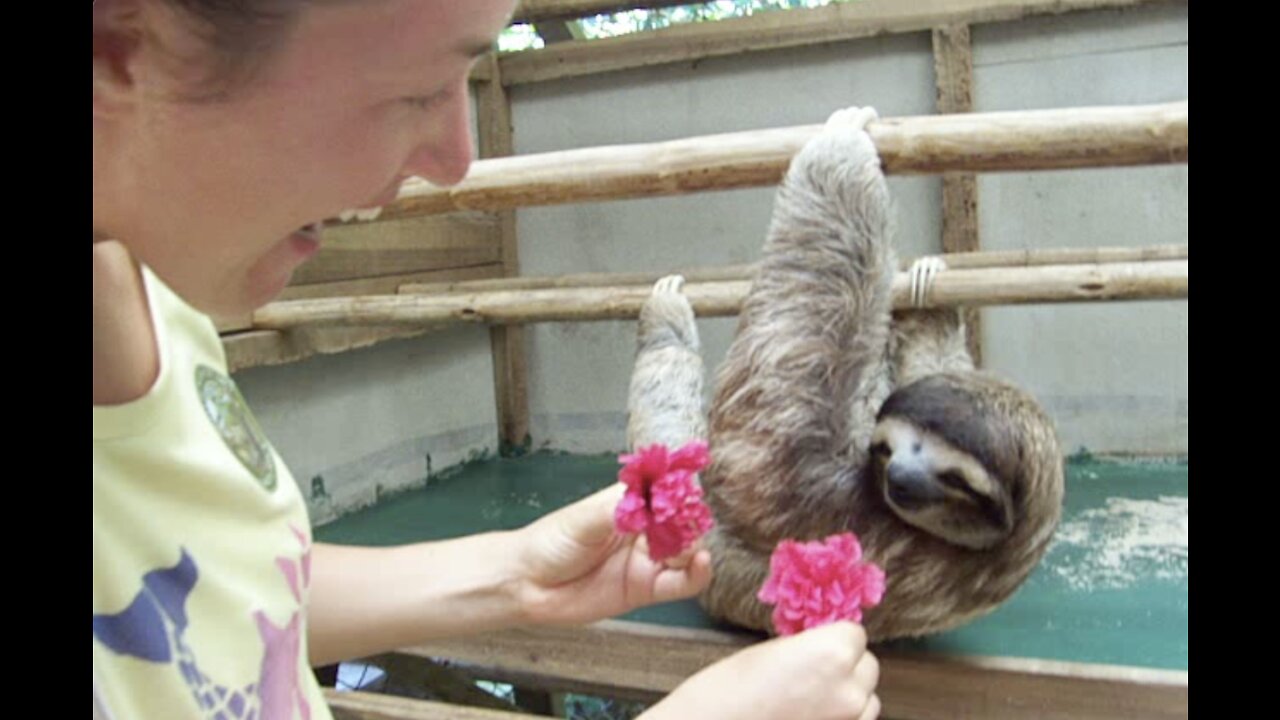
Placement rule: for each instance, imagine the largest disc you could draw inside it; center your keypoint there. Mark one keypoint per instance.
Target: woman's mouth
(306, 239)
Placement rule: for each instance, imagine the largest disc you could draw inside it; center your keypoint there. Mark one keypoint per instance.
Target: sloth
(832, 413)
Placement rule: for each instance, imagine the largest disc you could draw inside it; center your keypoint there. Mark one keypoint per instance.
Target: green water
(1113, 589)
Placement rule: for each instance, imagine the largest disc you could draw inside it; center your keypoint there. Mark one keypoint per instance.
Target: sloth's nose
(909, 485)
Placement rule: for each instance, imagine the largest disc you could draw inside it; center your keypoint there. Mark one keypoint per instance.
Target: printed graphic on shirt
(153, 627)
(230, 414)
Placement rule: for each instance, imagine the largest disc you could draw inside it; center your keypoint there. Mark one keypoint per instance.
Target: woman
(222, 133)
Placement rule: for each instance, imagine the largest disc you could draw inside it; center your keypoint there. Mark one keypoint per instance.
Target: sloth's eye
(953, 479)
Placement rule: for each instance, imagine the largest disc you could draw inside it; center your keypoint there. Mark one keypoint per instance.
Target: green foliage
(586, 707)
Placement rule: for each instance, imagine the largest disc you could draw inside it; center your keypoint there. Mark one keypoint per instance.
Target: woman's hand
(576, 568)
(825, 673)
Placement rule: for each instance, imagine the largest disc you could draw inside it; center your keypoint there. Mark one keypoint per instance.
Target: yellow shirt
(201, 545)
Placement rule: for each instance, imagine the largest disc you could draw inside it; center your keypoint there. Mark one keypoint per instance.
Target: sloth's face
(937, 487)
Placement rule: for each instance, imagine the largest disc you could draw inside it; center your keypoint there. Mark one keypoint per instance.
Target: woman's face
(360, 96)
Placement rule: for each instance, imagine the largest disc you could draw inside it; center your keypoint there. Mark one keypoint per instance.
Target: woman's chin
(273, 271)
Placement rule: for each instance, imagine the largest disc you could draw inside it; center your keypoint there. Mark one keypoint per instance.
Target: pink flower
(820, 582)
(663, 499)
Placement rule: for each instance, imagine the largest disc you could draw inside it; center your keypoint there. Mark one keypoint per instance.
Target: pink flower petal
(815, 583)
(665, 541)
(663, 498)
(692, 457)
(631, 516)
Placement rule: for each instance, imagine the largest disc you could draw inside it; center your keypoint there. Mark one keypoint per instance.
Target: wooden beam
(510, 365)
(1156, 280)
(413, 675)
(256, 348)
(642, 658)
(970, 142)
(362, 250)
(934, 687)
(712, 274)
(529, 11)
(553, 31)
(953, 70)
(357, 705)
(383, 285)
(955, 261)
(772, 30)
(603, 656)
(482, 69)
(273, 347)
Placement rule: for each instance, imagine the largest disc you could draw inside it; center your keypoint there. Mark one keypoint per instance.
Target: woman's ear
(117, 40)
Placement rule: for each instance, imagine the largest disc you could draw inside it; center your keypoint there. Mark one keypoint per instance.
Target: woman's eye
(425, 102)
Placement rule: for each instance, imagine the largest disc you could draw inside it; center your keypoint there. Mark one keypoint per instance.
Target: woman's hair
(239, 36)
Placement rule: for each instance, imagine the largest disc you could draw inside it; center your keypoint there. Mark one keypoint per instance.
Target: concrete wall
(1114, 376)
(354, 426)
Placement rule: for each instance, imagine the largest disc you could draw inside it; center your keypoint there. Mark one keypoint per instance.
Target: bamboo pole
(1055, 256)
(969, 142)
(1164, 279)
(603, 279)
(955, 261)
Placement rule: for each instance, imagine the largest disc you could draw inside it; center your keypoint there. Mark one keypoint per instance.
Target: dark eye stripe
(994, 510)
(988, 505)
(954, 480)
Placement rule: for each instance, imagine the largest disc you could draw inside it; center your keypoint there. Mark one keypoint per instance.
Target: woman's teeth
(360, 214)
